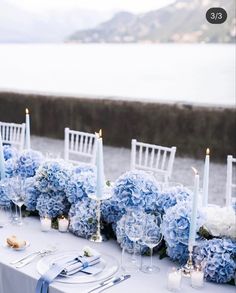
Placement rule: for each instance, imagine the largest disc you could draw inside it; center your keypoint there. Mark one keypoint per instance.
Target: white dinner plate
(109, 266)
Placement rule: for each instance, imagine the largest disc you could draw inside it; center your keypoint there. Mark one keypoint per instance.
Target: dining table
(24, 280)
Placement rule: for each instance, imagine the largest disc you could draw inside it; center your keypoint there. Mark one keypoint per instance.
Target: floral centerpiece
(220, 221)
(50, 181)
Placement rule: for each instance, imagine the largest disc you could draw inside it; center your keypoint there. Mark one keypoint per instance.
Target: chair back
(13, 134)
(230, 185)
(154, 158)
(80, 147)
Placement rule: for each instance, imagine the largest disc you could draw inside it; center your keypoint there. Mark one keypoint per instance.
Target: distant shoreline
(180, 103)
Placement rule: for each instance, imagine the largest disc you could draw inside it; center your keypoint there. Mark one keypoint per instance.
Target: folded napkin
(67, 266)
(84, 264)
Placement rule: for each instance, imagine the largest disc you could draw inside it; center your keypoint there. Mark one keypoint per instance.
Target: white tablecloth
(24, 280)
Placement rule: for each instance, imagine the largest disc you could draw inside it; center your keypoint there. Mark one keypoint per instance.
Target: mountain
(182, 21)
(18, 25)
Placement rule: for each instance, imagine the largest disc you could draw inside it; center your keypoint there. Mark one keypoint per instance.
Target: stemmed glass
(18, 193)
(151, 237)
(134, 230)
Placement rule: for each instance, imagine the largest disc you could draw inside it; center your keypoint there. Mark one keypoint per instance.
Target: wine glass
(151, 237)
(18, 193)
(134, 229)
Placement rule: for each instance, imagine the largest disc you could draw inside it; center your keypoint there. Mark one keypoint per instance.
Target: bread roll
(14, 242)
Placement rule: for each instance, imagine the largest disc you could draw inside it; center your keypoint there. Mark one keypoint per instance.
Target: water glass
(151, 237)
(133, 228)
(17, 194)
(4, 216)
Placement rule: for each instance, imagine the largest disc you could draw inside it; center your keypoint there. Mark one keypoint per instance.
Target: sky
(136, 6)
(55, 20)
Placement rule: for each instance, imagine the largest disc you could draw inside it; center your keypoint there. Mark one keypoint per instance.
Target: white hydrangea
(221, 221)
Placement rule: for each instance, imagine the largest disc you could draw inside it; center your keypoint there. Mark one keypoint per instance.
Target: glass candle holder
(197, 278)
(46, 224)
(63, 224)
(174, 280)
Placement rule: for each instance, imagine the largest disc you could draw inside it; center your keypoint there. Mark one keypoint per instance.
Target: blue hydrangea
(53, 175)
(9, 152)
(176, 223)
(136, 189)
(27, 163)
(111, 212)
(32, 194)
(83, 221)
(218, 256)
(4, 190)
(84, 168)
(10, 167)
(171, 196)
(80, 185)
(178, 253)
(52, 204)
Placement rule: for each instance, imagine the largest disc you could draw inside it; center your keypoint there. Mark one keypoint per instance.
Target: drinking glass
(133, 229)
(151, 237)
(4, 215)
(17, 194)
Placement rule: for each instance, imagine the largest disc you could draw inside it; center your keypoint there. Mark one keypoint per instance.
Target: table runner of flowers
(55, 188)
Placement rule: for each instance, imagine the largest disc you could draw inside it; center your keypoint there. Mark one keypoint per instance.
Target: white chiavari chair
(13, 134)
(230, 185)
(152, 158)
(80, 147)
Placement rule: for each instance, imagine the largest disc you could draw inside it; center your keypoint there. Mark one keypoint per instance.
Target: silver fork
(23, 258)
(23, 262)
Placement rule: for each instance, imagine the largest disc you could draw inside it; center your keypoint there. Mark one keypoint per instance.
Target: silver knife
(115, 282)
(100, 285)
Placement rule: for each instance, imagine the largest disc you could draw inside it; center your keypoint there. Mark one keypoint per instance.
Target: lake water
(167, 72)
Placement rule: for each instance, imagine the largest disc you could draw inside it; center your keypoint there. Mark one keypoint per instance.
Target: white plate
(108, 264)
(27, 244)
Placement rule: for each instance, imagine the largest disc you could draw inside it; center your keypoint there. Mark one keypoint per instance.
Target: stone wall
(191, 128)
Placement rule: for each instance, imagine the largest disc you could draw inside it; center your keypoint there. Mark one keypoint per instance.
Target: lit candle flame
(99, 134)
(207, 151)
(26, 111)
(195, 171)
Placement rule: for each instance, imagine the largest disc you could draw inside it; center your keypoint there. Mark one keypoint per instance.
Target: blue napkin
(66, 266)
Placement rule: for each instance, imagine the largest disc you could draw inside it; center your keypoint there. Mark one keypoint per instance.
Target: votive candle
(197, 278)
(46, 224)
(174, 280)
(63, 224)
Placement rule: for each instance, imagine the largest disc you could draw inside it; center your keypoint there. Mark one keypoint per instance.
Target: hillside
(182, 21)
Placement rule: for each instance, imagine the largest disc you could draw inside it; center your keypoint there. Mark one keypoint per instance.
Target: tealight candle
(174, 281)
(197, 277)
(63, 224)
(45, 224)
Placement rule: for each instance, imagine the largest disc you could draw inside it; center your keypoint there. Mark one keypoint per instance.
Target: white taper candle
(2, 161)
(27, 130)
(193, 220)
(206, 179)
